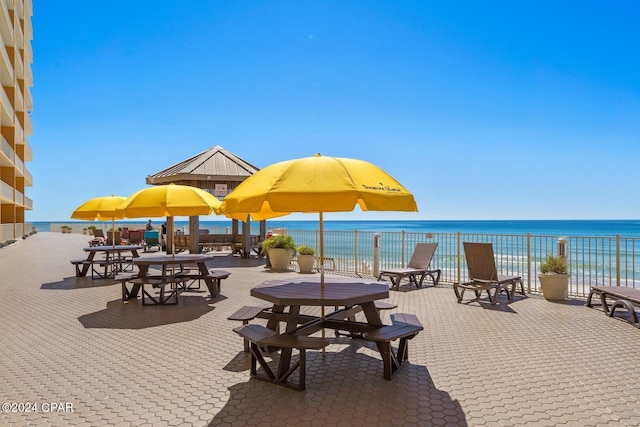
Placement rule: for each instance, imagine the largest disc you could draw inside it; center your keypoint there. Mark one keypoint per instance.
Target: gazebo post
(246, 239)
(194, 232)
(171, 230)
(263, 230)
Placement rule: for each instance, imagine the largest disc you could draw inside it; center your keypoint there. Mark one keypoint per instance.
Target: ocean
(594, 228)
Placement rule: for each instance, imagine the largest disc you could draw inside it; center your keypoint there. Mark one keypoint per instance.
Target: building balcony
(6, 110)
(6, 26)
(8, 155)
(6, 192)
(6, 67)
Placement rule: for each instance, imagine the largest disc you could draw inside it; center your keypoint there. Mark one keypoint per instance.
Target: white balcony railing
(6, 191)
(19, 100)
(19, 133)
(6, 149)
(28, 178)
(6, 104)
(6, 232)
(7, 66)
(7, 26)
(19, 165)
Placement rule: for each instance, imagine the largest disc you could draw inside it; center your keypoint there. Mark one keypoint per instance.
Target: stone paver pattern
(83, 357)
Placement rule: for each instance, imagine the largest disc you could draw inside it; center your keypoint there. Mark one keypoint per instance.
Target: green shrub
(553, 265)
(279, 242)
(305, 250)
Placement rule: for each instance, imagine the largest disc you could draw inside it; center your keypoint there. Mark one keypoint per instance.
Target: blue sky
(484, 110)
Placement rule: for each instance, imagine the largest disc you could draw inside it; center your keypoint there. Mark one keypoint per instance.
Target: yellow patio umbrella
(316, 184)
(169, 200)
(100, 208)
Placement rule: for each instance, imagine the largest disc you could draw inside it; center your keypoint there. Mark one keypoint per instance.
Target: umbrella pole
(322, 273)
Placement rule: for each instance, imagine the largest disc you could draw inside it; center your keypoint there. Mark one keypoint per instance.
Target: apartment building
(16, 58)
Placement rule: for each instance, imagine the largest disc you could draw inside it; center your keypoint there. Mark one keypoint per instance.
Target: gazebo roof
(215, 164)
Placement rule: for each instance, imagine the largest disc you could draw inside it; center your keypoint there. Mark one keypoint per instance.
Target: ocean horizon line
(563, 227)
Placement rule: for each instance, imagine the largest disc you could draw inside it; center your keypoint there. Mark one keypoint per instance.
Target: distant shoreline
(627, 228)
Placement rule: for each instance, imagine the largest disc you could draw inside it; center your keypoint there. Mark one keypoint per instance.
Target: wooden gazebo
(217, 171)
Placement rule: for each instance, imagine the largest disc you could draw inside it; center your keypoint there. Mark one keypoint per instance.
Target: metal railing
(591, 260)
(613, 261)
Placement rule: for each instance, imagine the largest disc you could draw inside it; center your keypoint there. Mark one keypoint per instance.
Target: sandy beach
(74, 354)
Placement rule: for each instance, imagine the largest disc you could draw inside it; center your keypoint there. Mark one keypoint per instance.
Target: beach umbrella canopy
(169, 200)
(100, 208)
(317, 184)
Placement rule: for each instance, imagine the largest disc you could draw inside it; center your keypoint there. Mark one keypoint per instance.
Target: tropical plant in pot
(554, 278)
(280, 250)
(306, 259)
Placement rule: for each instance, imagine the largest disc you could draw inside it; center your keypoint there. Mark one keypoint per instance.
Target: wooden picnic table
(169, 274)
(113, 261)
(347, 295)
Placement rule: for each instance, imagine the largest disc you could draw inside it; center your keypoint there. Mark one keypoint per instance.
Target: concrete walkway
(72, 344)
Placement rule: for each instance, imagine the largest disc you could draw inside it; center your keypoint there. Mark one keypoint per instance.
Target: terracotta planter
(280, 258)
(555, 287)
(305, 263)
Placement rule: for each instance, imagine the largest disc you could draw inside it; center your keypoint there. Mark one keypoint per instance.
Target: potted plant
(554, 279)
(280, 250)
(306, 259)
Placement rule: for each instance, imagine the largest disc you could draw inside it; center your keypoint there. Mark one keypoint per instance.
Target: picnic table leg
(373, 318)
(106, 265)
(285, 353)
(273, 323)
(211, 285)
(371, 313)
(87, 266)
(135, 288)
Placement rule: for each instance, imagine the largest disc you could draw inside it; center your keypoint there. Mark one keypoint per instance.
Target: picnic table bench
(157, 282)
(404, 327)
(261, 336)
(622, 297)
(173, 274)
(246, 313)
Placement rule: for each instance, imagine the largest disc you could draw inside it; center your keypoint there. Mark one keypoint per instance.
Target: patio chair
(483, 274)
(152, 239)
(418, 267)
(135, 237)
(98, 238)
(110, 241)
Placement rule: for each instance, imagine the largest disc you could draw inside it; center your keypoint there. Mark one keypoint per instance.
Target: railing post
(376, 255)
(459, 259)
(355, 255)
(528, 263)
(617, 260)
(402, 247)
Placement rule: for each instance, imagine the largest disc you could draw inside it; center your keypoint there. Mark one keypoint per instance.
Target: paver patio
(73, 341)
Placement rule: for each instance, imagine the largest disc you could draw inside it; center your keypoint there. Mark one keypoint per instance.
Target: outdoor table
(112, 261)
(336, 292)
(167, 261)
